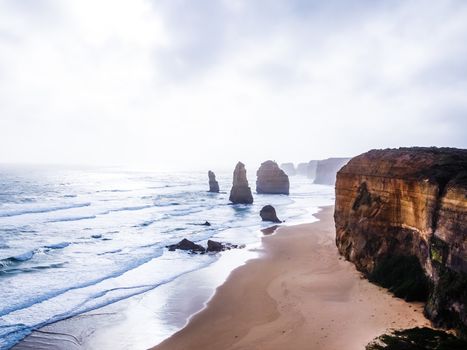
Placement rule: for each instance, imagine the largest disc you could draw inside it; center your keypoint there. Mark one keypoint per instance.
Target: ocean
(76, 240)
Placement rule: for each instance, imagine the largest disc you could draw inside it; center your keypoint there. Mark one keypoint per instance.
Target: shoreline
(299, 293)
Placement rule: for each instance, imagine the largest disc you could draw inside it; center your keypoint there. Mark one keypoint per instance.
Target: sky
(184, 84)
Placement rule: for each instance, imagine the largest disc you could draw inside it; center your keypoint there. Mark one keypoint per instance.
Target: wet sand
(299, 295)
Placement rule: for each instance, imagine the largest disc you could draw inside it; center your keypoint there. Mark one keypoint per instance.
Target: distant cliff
(326, 170)
(401, 218)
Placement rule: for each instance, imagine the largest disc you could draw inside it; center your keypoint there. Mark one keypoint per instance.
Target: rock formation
(213, 246)
(289, 169)
(327, 169)
(213, 184)
(186, 244)
(311, 171)
(406, 209)
(240, 192)
(271, 179)
(302, 169)
(268, 213)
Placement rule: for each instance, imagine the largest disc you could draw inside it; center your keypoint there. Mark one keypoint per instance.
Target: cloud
(191, 83)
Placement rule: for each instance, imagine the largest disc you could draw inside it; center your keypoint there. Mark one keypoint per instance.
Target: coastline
(300, 293)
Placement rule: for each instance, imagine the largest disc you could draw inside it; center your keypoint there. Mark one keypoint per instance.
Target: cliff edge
(405, 210)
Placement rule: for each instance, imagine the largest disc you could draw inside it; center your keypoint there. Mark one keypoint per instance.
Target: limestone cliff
(326, 170)
(289, 169)
(409, 202)
(240, 192)
(271, 179)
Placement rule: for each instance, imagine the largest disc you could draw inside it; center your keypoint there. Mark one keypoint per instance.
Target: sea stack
(271, 179)
(213, 184)
(405, 210)
(240, 192)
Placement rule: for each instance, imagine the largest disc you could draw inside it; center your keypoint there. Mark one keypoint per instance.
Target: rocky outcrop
(398, 209)
(271, 179)
(327, 169)
(212, 246)
(186, 244)
(213, 184)
(289, 169)
(240, 192)
(268, 213)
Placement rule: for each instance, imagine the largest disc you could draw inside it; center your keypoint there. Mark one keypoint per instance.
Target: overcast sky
(196, 83)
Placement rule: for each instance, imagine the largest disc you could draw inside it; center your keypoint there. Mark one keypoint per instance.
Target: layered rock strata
(213, 184)
(240, 192)
(271, 179)
(397, 204)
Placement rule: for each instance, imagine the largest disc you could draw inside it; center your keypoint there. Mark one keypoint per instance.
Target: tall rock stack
(213, 184)
(271, 179)
(396, 206)
(240, 192)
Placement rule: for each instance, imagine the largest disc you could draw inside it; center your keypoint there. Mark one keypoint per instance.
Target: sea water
(75, 240)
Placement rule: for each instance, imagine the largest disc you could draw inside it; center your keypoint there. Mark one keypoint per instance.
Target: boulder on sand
(268, 213)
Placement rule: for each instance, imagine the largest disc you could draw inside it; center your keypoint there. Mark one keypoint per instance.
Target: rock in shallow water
(186, 244)
(213, 184)
(240, 192)
(271, 179)
(268, 213)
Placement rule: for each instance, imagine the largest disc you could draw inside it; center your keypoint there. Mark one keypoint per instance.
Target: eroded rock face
(213, 184)
(268, 213)
(271, 179)
(240, 192)
(327, 169)
(409, 202)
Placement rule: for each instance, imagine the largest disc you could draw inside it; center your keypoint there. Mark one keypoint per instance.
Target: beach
(300, 294)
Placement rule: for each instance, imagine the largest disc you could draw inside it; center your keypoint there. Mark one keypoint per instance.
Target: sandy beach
(299, 295)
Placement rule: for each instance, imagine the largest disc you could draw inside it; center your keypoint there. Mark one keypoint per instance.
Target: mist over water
(75, 240)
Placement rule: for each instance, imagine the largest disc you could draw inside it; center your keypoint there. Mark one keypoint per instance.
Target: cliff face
(409, 202)
(326, 170)
(289, 169)
(240, 192)
(271, 179)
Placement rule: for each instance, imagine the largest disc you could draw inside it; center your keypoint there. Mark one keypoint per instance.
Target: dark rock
(268, 213)
(271, 179)
(186, 244)
(207, 223)
(240, 192)
(214, 246)
(213, 184)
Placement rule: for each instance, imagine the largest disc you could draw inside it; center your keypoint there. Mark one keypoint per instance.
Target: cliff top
(438, 165)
